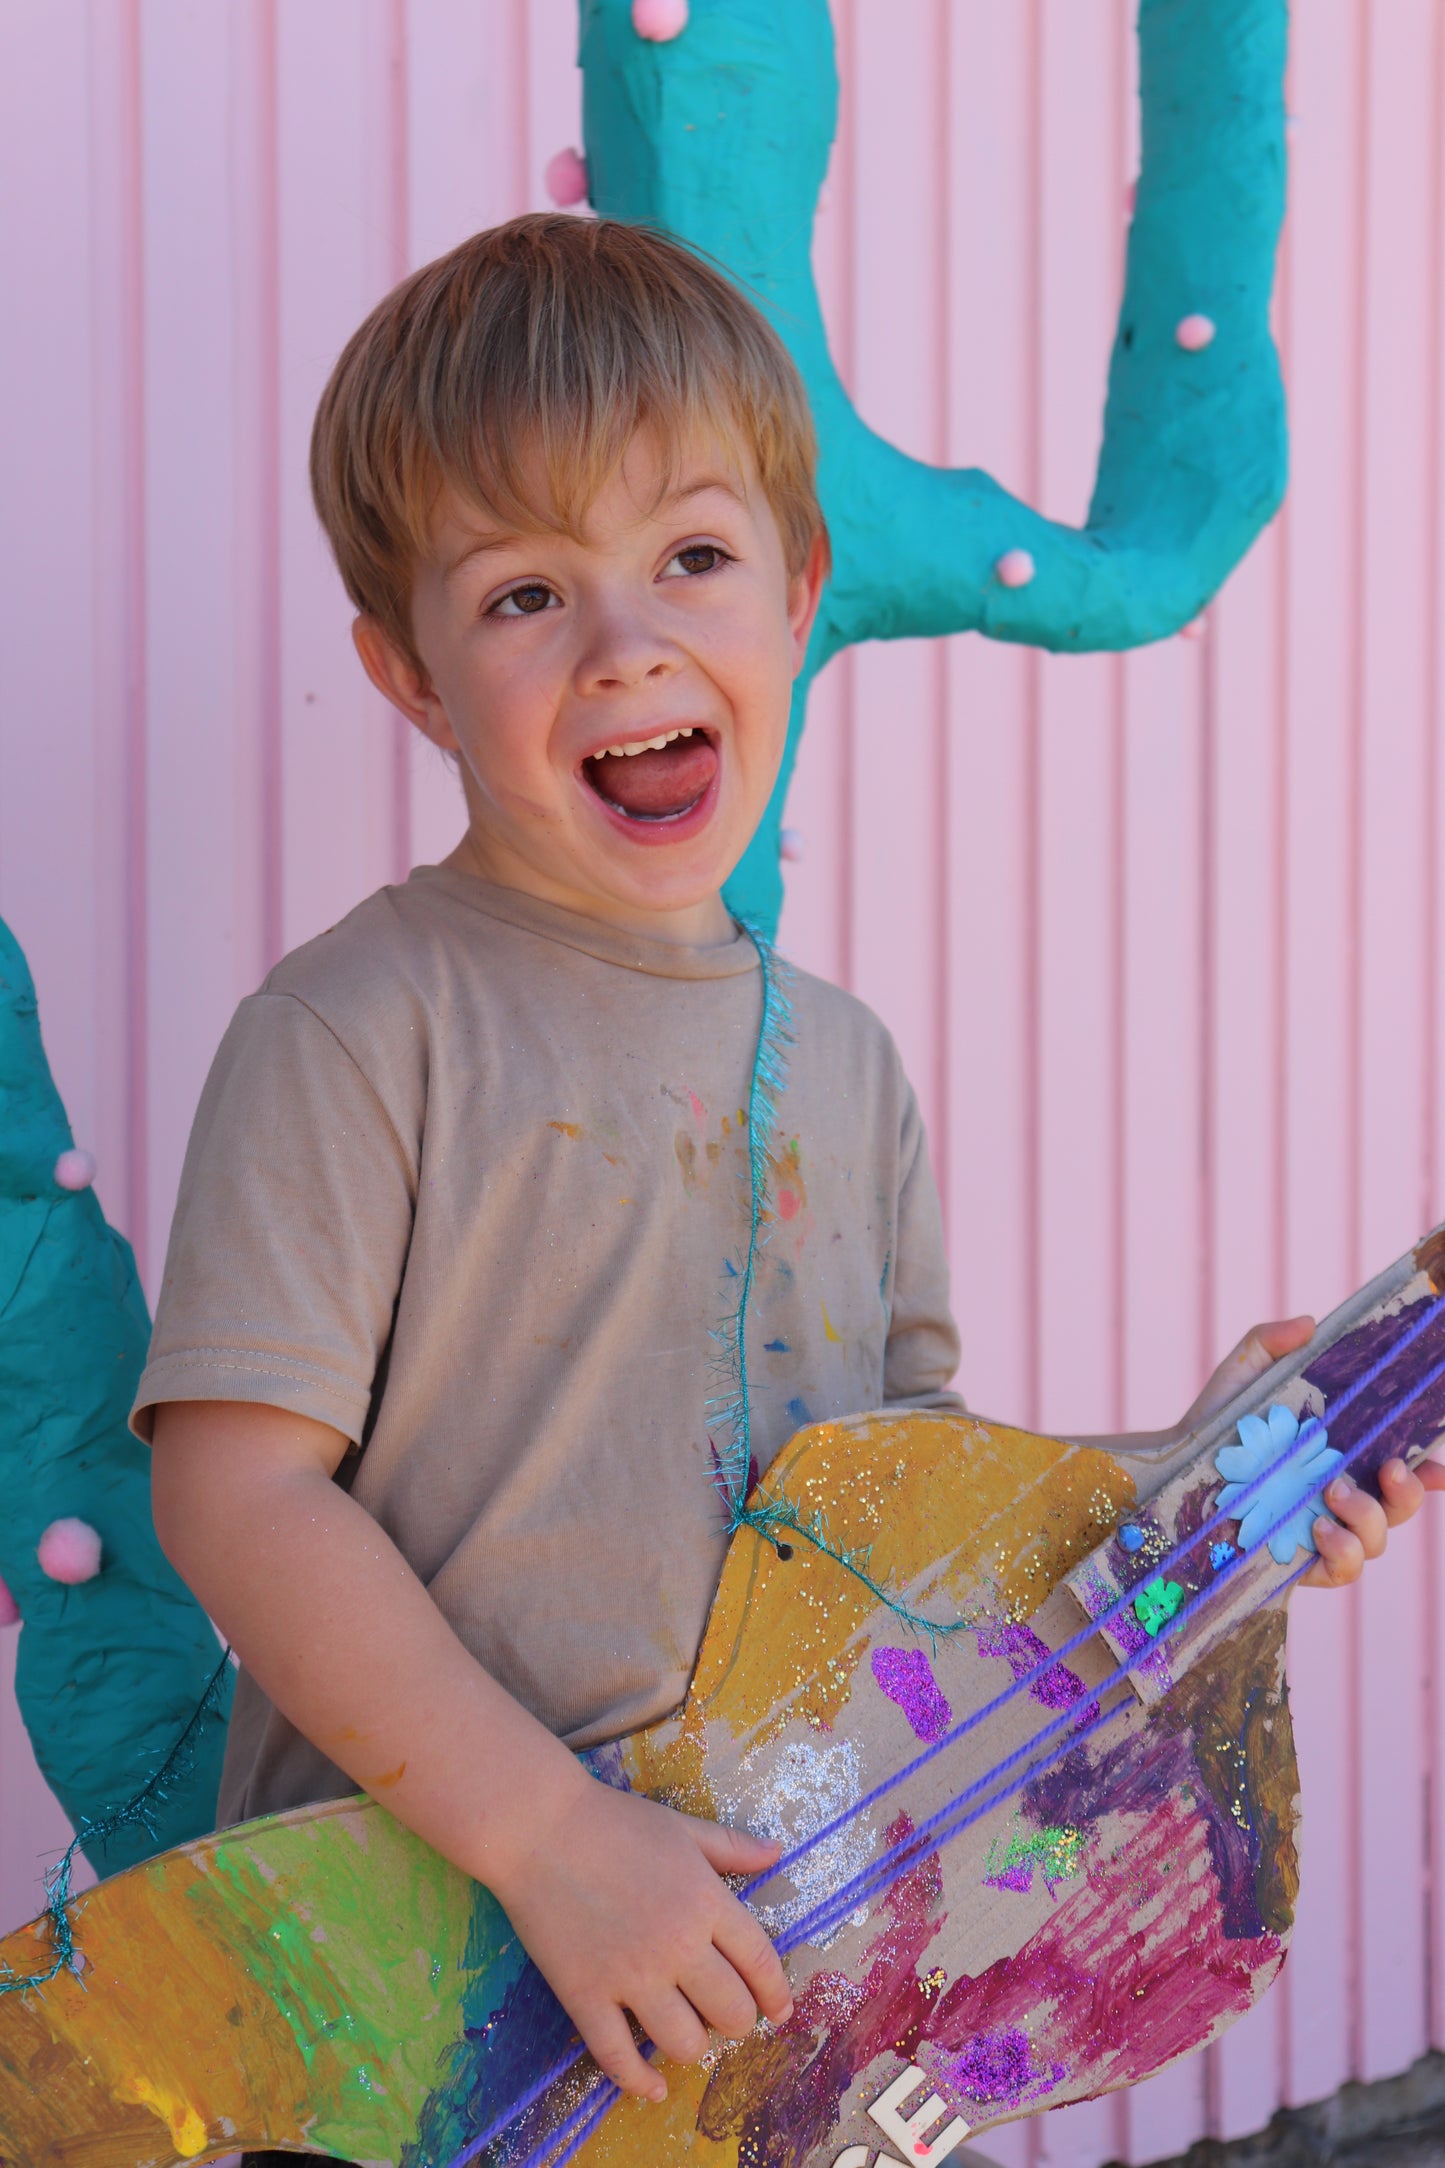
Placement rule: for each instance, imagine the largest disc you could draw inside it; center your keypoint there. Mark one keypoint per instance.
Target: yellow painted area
(187, 2129)
(830, 1330)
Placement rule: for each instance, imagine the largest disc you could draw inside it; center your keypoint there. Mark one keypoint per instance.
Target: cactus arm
(108, 1672)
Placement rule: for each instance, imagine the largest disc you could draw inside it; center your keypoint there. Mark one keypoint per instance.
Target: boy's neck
(705, 924)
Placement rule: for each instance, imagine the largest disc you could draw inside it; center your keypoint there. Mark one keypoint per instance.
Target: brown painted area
(1235, 1704)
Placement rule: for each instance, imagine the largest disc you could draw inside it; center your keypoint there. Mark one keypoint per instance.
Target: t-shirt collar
(593, 937)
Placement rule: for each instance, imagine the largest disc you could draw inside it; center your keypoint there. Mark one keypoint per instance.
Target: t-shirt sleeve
(291, 1229)
(923, 1349)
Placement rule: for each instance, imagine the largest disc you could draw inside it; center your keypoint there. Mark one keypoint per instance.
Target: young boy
(431, 1389)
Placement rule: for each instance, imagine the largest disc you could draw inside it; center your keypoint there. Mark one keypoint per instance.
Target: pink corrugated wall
(1160, 936)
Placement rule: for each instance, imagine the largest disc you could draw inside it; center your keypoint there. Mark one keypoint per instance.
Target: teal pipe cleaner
(776, 1518)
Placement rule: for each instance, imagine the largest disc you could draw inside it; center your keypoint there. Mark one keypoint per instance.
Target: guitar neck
(1399, 1413)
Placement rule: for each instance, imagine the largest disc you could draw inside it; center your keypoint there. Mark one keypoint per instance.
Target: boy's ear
(401, 681)
(805, 595)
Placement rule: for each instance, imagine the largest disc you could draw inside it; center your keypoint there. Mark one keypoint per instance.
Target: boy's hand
(620, 1905)
(1360, 1523)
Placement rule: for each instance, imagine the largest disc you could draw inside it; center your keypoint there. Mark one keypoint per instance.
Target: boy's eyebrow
(480, 543)
(475, 548)
(700, 488)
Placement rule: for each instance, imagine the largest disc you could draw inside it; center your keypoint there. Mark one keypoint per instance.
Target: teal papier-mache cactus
(722, 133)
(110, 1672)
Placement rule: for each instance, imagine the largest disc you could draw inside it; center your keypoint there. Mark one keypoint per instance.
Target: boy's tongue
(649, 786)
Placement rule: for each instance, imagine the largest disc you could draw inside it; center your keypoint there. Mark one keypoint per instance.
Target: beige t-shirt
(468, 1181)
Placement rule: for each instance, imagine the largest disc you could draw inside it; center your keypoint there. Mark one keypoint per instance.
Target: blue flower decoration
(1294, 1489)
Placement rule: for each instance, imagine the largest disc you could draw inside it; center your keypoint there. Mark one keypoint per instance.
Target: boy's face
(619, 703)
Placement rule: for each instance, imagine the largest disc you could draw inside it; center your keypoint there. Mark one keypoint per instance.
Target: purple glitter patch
(906, 1677)
(999, 2067)
(1058, 1689)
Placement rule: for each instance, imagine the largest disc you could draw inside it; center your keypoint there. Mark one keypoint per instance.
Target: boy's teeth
(646, 745)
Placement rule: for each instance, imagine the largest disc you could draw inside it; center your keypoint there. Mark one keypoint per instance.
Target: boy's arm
(618, 1900)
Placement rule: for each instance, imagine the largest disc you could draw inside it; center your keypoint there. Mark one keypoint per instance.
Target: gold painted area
(944, 1512)
(148, 2036)
(638, 2132)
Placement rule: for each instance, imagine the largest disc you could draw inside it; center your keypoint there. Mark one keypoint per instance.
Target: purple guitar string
(950, 1820)
(814, 1924)
(1308, 1430)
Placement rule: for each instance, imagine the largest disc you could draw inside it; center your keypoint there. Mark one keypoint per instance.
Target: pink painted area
(1161, 938)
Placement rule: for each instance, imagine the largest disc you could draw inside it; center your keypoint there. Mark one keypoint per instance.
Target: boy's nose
(625, 651)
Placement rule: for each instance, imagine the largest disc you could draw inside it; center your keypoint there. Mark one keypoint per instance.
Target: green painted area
(108, 1673)
(722, 135)
(374, 2004)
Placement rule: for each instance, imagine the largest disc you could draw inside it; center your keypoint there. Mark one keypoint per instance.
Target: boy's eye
(526, 601)
(695, 557)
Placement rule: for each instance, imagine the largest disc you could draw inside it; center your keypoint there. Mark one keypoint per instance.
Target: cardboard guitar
(322, 1981)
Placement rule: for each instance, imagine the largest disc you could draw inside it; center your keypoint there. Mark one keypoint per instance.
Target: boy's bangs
(541, 472)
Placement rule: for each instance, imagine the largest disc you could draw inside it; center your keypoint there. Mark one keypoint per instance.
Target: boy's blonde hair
(552, 333)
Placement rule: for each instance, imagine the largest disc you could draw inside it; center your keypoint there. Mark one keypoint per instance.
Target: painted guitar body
(321, 1980)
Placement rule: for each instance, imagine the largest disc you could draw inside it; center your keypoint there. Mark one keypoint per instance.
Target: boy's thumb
(733, 1851)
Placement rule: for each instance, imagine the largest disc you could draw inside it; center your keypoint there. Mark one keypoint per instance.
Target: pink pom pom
(69, 1551)
(74, 1170)
(9, 1608)
(1195, 629)
(790, 845)
(659, 19)
(566, 179)
(1194, 333)
(1014, 569)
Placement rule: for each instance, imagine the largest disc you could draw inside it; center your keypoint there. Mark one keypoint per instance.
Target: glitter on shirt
(906, 1677)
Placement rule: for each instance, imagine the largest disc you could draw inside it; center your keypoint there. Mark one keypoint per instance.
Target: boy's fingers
(733, 1851)
(607, 2037)
(1401, 1493)
(1341, 1556)
(751, 1955)
(716, 1991)
(673, 2026)
(1363, 1515)
(1261, 1347)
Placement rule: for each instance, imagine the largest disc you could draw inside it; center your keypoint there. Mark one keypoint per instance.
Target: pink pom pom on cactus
(9, 1608)
(1014, 569)
(659, 19)
(69, 1551)
(566, 179)
(1194, 333)
(74, 1169)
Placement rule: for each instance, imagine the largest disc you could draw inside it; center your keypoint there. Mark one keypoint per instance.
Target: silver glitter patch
(803, 1789)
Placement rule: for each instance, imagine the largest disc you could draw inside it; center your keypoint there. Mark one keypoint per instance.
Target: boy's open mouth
(655, 779)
